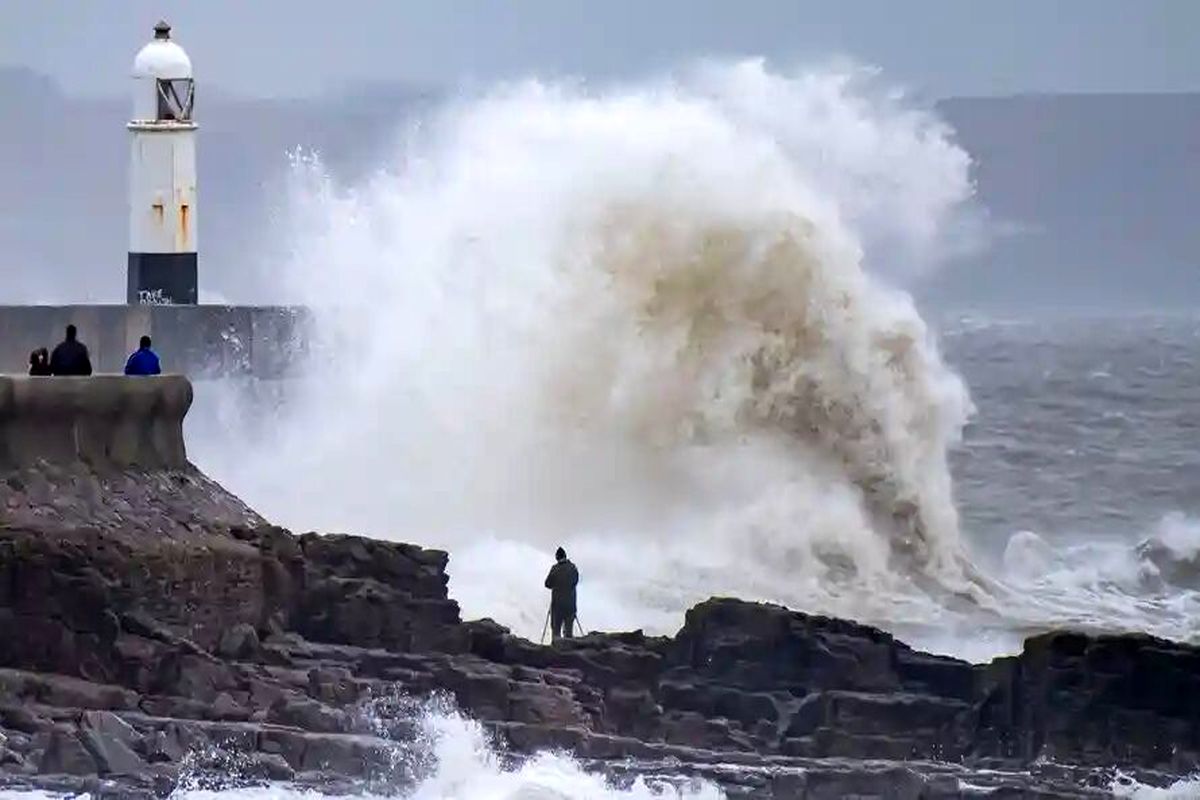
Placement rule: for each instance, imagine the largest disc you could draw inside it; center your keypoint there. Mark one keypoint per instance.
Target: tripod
(575, 625)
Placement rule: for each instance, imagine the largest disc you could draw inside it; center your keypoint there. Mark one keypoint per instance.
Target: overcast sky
(936, 47)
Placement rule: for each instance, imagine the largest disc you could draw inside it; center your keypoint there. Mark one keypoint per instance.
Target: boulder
(266, 766)
(66, 754)
(308, 715)
(19, 718)
(170, 743)
(112, 743)
(239, 643)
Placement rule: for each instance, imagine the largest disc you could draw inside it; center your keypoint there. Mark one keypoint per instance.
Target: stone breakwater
(105, 421)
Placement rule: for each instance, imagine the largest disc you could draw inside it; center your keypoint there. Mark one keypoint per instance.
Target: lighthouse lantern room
(162, 176)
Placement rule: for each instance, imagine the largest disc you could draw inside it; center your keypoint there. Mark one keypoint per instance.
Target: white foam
(467, 766)
(635, 322)
(456, 760)
(655, 324)
(1184, 789)
(1181, 534)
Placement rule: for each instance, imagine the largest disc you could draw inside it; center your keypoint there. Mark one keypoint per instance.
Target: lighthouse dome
(163, 90)
(162, 58)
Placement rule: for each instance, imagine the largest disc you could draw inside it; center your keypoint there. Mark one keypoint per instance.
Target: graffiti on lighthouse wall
(153, 297)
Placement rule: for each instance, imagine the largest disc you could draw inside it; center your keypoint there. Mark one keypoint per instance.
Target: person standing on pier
(39, 363)
(143, 361)
(70, 357)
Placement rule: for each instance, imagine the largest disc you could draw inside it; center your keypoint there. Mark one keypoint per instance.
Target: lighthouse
(162, 176)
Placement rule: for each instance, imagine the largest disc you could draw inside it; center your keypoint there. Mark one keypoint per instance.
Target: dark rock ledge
(128, 657)
(153, 628)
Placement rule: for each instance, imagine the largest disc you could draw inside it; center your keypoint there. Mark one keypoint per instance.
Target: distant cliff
(1092, 189)
(1083, 189)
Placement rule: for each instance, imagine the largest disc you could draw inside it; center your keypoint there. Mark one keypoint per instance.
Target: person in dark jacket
(561, 582)
(70, 357)
(39, 362)
(144, 361)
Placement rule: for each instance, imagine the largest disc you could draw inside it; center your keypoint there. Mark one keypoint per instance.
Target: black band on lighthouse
(162, 279)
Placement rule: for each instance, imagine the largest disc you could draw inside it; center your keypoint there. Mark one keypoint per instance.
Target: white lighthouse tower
(162, 176)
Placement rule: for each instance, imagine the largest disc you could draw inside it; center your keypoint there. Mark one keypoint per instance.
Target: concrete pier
(103, 422)
(201, 341)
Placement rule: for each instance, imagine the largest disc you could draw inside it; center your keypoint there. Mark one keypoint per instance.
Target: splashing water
(1106, 585)
(1184, 789)
(468, 766)
(656, 325)
(459, 760)
(636, 322)
(464, 764)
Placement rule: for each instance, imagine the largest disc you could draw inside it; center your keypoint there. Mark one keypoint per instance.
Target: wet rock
(18, 718)
(172, 741)
(17, 742)
(174, 707)
(225, 708)
(264, 694)
(111, 742)
(1095, 700)
(146, 651)
(541, 704)
(66, 754)
(267, 766)
(239, 643)
(894, 783)
(529, 738)
(288, 744)
(343, 754)
(309, 715)
(198, 677)
(333, 685)
(63, 691)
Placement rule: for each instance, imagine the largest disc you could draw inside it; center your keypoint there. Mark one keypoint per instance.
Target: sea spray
(448, 756)
(645, 323)
(658, 325)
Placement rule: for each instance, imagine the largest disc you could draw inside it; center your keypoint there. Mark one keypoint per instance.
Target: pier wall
(105, 421)
(200, 341)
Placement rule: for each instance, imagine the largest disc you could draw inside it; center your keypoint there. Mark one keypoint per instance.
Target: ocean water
(1078, 476)
(1086, 426)
(1079, 452)
(665, 325)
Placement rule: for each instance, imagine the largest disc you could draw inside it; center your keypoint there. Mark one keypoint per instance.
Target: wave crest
(653, 323)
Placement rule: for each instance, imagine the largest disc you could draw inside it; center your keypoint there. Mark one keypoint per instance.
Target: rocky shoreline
(133, 655)
(156, 632)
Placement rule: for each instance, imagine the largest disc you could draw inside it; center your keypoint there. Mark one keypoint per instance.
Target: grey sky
(937, 47)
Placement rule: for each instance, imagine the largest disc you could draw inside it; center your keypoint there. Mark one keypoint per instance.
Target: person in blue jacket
(144, 361)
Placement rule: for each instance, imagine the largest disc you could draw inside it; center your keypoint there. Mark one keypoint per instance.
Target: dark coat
(70, 358)
(561, 582)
